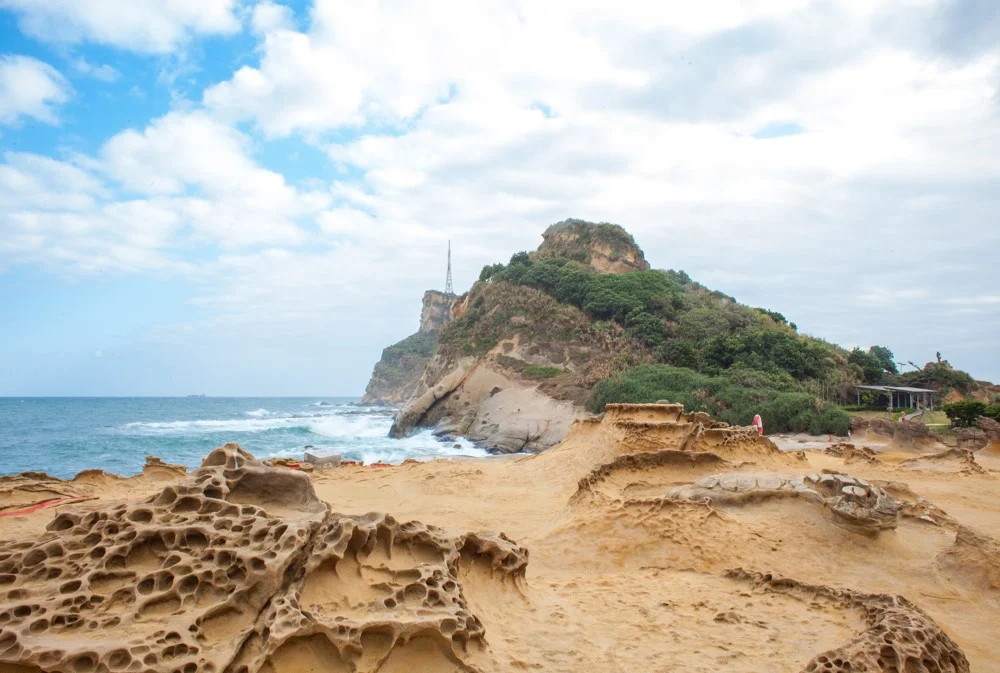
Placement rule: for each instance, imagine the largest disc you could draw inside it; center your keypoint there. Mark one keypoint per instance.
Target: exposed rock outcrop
(436, 311)
(396, 374)
(511, 372)
(972, 439)
(241, 568)
(991, 429)
(513, 369)
(902, 435)
(487, 403)
(898, 635)
(606, 247)
(854, 503)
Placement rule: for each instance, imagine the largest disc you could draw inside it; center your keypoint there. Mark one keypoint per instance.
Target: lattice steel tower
(448, 287)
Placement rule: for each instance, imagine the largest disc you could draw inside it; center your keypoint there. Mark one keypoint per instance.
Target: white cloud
(892, 296)
(147, 26)
(30, 88)
(236, 203)
(269, 16)
(104, 73)
(184, 181)
(981, 299)
(512, 116)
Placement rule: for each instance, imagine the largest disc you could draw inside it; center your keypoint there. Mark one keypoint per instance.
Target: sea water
(62, 436)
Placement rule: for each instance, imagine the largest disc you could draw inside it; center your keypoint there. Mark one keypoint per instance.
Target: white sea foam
(210, 426)
(357, 432)
(350, 426)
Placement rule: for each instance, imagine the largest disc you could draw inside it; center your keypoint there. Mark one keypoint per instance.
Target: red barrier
(45, 503)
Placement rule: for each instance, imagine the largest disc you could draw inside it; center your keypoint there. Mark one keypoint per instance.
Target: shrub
(679, 354)
(720, 396)
(645, 327)
(992, 411)
(964, 413)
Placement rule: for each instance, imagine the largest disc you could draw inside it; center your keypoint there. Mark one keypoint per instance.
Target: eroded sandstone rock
(238, 568)
(854, 502)
(972, 439)
(898, 635)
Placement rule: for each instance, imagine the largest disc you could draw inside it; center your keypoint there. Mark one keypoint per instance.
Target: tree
(490, 270)
(885, 358)
(871, 369)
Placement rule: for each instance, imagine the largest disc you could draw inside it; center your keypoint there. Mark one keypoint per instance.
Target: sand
(571, 560)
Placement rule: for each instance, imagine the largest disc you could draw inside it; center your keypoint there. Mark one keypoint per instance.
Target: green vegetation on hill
(725, 398)
(680, 322)
(664, 336)
(414, 346)
(401, 365)
(500, 310)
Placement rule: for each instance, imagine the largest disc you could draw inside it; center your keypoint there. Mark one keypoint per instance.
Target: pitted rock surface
(238, 568)
(898, 637)
(853, 501)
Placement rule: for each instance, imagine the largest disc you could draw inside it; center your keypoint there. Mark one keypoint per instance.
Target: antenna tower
(448, 287)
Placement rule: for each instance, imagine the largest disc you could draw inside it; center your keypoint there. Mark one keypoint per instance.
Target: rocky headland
(513, 370)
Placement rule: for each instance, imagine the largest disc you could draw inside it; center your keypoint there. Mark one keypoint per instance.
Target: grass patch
(539, 372)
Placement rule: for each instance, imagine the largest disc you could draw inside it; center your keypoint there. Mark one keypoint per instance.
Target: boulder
(322, 458)
(972, 439)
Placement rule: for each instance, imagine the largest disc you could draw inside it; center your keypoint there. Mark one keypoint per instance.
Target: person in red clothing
(759, 424)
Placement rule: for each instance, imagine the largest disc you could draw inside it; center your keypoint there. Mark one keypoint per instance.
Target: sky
(249, 197)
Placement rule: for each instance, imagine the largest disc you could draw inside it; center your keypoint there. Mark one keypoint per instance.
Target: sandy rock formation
(898, 636)
(634, 441)
(851, 453)
(991, 429)
(488, 403)
(854, 503)
(972, 439)
(436, 311)
(606, 247)
(963, 459)
(913, 433)
(240, 568)
(905, 435)
(397, 372)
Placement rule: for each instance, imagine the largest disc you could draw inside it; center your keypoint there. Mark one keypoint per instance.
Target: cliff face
(396, 374)
(606, 247)
(512, 371)
(436, 311)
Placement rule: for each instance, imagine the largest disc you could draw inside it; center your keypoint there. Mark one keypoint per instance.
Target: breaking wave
(357, 432)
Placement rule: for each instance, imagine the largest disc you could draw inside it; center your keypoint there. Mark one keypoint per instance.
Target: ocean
(62, 436)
